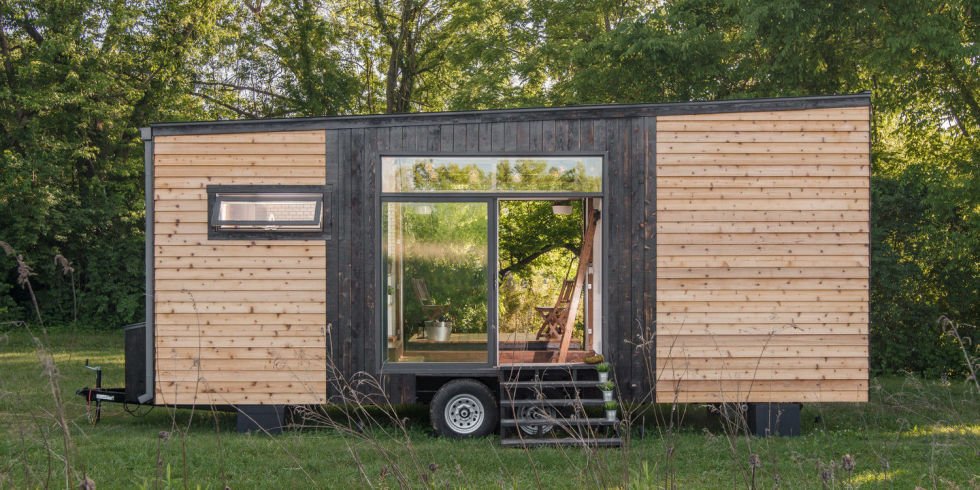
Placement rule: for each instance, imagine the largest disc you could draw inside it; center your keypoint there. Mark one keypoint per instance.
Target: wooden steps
(554, 406)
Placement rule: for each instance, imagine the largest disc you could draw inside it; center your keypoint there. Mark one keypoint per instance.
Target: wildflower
(66, 267)
(826, 474)
(86, 484)
(433, 467)
(164, 435)
(847, 462)
(754, 461)
(24, 271)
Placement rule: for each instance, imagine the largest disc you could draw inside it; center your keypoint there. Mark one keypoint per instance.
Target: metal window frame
(493, 358)
(267, 193)
(390, 367)
(316, 198)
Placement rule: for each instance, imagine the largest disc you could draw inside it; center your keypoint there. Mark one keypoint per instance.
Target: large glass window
(436, 281)
(539, 174)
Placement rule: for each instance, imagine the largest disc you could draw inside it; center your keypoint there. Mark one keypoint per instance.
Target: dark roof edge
(861, 99)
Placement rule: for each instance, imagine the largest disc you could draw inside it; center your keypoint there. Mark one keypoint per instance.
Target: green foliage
(76, 85)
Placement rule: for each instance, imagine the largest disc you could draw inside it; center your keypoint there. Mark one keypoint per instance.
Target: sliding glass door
(437, 278)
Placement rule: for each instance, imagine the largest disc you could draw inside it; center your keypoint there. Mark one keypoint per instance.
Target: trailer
(722, 256)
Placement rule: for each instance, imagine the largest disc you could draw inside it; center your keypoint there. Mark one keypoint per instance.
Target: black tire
(464, 408)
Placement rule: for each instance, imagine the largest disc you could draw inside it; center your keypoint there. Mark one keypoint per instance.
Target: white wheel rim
(542, 413)
(464, 413)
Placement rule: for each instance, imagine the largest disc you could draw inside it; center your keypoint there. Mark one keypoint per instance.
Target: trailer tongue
(99, 394)
(134, 393)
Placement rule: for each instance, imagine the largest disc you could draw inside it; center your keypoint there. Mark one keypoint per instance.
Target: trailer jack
(99, 394)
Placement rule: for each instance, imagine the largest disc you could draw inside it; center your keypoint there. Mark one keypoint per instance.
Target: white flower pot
(607, 396)
(603, 377)
(611, 415)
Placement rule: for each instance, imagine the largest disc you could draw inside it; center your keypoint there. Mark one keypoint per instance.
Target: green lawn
(913, 433)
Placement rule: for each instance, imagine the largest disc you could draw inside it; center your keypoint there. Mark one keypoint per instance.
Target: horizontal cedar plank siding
(237, 322)
(762, 256)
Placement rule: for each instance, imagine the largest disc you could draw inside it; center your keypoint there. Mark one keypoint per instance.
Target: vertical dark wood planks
(638, 165)
(347, 293)
(648, 376)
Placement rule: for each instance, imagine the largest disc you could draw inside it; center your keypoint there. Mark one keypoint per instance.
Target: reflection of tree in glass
(452, 177)
(523, 174)
(446, 246)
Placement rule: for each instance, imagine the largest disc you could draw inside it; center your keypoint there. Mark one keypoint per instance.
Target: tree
(77, 83)
(278, 59)
(417, 34)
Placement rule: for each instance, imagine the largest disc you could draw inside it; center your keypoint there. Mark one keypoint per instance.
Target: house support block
(261, 418)
(774, 419)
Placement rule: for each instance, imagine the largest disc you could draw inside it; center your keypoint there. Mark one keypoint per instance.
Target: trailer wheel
(464, 408)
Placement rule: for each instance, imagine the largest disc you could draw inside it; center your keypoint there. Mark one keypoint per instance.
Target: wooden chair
(430, 310)
(554, 316)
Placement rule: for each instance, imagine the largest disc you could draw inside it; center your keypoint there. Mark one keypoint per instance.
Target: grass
(914, 432)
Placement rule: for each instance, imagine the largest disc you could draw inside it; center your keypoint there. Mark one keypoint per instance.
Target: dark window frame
(268, 193)
(380, 198)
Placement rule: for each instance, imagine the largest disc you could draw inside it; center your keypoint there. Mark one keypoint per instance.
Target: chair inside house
(554, 317)
(430, 309)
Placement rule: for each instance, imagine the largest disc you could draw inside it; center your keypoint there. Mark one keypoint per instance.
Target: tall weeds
(970, 361)
(52, 376)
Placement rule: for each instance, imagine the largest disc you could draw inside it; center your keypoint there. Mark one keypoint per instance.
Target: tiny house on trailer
(718, 252)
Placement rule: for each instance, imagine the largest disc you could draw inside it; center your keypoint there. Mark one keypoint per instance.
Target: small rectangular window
(266, 212)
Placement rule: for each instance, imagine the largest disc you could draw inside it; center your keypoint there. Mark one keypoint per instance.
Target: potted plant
(607, 388)
(611, 407)
(439, 329)
(603, 369)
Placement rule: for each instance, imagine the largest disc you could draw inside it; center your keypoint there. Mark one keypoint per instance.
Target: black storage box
(135, 361)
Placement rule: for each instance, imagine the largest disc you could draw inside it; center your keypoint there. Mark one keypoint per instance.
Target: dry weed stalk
(68, 270)
(366, 416)
(24, 273)
(972, 363)
(49, 370)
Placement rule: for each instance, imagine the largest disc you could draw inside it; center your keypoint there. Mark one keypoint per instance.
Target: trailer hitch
(98, 394)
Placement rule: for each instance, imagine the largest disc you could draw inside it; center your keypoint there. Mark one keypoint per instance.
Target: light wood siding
(763, 256)
(237, 322)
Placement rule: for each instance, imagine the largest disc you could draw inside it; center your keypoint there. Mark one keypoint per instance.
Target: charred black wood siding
(353, 161)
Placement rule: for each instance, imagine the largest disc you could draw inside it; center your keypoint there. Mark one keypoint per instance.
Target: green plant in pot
(611, 407)
(607, 388)
(603, 369)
